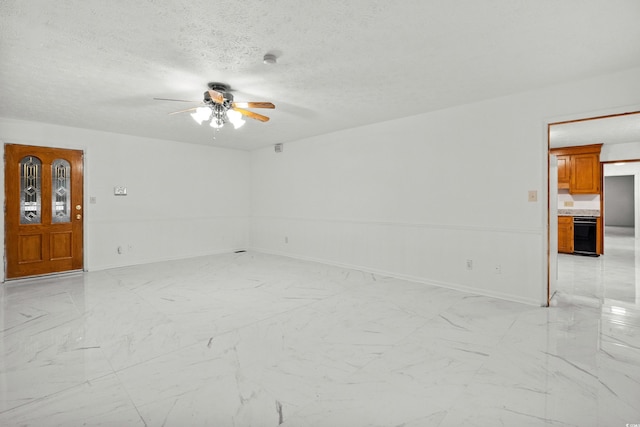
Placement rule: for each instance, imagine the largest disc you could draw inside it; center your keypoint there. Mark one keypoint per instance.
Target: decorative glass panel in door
(30, 190)
(61, 191)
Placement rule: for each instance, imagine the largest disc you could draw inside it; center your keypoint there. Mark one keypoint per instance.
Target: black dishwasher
(584, 235)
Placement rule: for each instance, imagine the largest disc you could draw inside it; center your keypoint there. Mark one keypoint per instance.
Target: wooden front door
(43, 210)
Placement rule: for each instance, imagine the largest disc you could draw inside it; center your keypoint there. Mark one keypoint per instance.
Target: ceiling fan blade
(184, 111)
(251, 114)
(216, 96)
(176, 100)
(253, 105)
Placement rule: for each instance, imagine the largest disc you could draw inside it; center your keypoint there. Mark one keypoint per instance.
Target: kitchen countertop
(578, 212)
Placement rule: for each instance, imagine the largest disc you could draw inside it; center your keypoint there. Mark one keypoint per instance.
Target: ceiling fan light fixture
(238, 124)
(201, 114)
(216, 123)
(235, 118)
(219, 107)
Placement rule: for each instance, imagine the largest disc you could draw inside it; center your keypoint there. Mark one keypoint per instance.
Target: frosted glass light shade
(201, 114)
(235, 118)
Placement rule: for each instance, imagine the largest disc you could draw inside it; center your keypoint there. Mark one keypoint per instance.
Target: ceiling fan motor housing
(222, 88)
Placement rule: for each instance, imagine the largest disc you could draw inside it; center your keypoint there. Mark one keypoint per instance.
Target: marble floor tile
(253, 339)
(98, 402)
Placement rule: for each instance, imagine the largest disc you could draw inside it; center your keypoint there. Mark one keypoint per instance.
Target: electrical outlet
(469, 264)
(533, 196)
(568, 204)
(286, 239)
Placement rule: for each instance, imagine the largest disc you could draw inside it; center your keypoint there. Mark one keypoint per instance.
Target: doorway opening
(619, 135)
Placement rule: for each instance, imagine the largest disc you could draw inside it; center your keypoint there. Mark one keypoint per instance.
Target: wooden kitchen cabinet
(579, 168)
(585, 174)
(565, 234)
(564, 171)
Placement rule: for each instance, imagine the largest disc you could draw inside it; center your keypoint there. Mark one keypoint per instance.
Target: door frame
(85, 198)
(578, 118)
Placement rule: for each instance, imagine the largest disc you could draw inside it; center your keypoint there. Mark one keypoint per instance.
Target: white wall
(417, 197)
(619, 201)
(626, 151)
(624, 168)
(183, 200)
(630, 168)
(577, 201)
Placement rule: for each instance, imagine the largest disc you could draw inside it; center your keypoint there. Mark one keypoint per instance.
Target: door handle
(78, 216)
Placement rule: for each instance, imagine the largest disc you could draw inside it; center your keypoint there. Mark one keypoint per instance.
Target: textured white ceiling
(97, 64)
(607, 130)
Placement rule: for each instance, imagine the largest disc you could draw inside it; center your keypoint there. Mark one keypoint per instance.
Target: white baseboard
(410, 278)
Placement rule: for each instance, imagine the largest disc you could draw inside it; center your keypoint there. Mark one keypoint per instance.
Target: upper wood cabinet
(579, 168)
(585, 174)
(564, 171)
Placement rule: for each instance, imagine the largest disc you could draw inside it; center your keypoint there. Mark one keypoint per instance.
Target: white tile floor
(258, 340)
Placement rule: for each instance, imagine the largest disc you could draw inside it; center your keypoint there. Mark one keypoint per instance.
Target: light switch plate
(120, 191)
(533, 196)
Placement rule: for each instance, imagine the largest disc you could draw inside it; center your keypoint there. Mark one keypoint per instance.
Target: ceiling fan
(220, 107)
